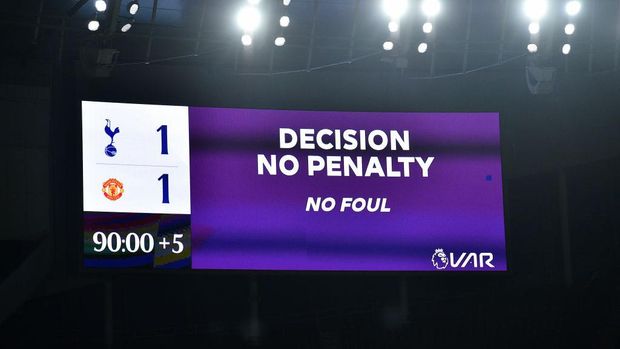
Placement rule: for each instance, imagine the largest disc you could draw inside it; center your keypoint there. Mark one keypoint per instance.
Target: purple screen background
(241, 220)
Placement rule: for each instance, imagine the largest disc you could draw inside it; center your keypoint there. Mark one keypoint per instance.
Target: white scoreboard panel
(135, 158)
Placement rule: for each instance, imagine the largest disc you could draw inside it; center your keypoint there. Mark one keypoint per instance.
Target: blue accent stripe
(175, 265)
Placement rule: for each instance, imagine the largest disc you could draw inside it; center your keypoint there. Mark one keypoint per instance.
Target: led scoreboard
(133, 155)
(176, 187)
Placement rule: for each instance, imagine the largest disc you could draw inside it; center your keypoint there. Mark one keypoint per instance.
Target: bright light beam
(566, 49)
(431, 8)
(427, 27)
(246, 40)
(93, 25)
(393, 26)
(279, 41)
(572, 8)
(535, 9)
(284, 21)
(248, 19)
(101, 5)
(395, 8)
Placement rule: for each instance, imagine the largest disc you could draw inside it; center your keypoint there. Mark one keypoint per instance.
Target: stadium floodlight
(569, 29)
(248, 19)
(422, 47)
(284, 21)
(126, 27)
(286, 2)
(388, 45)
(393, 26)
(572, 7)
(246, 39)
(535, 9)
(133, 7)
(534, 28)
(427, 27)
(101, 5)
(279, 41)
(395, 8)
(93, 25)
(566, 49)
(532, 48)
(430, 8)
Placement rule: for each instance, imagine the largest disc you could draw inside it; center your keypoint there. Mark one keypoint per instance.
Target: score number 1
(164, 188)
(164, 139)
(164, 177)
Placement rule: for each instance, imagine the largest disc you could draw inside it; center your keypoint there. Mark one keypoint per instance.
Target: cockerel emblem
(110, 149)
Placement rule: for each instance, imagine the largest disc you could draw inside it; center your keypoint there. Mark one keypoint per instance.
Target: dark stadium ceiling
(323, 34)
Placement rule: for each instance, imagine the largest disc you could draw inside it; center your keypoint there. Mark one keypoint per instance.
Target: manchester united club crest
(113, 189)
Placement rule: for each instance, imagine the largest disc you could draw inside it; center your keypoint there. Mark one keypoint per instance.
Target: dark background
(561, 163)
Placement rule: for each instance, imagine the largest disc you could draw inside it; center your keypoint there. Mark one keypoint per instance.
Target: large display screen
(252, 189)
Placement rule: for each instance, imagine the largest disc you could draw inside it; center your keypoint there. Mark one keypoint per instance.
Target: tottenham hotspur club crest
(440, 259)
(110, 149)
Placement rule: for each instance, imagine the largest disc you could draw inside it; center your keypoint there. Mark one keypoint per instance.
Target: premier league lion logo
(439, 259)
